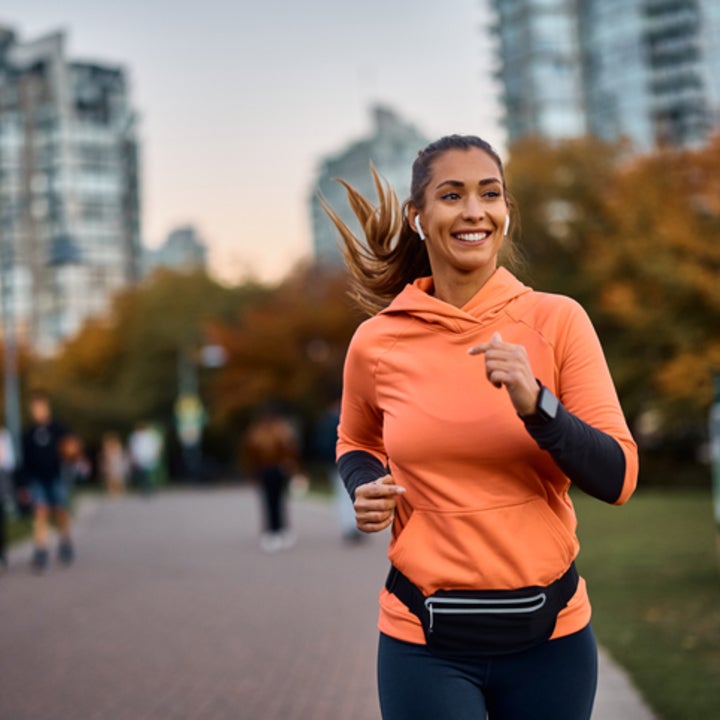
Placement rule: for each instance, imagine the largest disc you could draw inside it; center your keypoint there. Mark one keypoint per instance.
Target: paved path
(172, 612)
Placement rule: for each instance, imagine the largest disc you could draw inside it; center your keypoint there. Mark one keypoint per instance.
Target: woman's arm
(588, 437)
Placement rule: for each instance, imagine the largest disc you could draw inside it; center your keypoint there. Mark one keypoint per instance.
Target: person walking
(7, 466)
(471, 405)
(144, 449)
(42, 472)
(271, 456)
(325, 444)
(114, 464)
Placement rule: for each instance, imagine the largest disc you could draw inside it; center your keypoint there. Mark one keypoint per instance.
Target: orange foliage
(289, 346)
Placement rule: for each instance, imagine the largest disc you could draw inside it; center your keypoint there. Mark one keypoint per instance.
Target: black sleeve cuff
(358, 467)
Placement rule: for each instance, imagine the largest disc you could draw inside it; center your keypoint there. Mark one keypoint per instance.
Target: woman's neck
(459, 288)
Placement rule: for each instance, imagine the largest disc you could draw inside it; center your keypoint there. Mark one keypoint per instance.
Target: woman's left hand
(508, 365)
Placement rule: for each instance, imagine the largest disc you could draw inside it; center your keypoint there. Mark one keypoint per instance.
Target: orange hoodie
(484, 507)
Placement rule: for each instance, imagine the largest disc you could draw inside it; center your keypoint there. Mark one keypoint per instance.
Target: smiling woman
(483, 608)
(393, 256)
(464, 216)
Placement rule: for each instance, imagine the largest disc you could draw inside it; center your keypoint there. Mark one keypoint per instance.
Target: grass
(653, 574)
(18, 529)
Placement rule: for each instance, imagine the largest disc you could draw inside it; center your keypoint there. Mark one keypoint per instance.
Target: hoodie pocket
(499, 548)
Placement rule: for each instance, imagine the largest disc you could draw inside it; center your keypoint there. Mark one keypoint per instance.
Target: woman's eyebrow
(458, 183)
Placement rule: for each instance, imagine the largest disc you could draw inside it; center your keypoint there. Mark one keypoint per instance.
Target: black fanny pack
(467, 623)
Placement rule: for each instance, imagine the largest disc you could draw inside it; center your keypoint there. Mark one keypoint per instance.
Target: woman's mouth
(471, 237)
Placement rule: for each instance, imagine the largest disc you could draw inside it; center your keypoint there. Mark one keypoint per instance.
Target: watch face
(547, 404)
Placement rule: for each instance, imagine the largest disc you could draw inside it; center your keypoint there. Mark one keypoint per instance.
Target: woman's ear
(413, 217)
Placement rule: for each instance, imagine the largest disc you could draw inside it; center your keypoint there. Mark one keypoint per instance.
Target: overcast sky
(238, 101)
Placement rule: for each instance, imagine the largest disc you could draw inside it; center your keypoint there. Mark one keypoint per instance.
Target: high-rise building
(392, 147)
(540, 68)
(182, 250)
(648, 70)
(69, 197)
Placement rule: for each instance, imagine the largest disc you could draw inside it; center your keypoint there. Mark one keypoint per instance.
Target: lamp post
(190, 416)
(64, 251)
(10, 368)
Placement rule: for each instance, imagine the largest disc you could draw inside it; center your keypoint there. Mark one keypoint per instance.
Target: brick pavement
(172, 612)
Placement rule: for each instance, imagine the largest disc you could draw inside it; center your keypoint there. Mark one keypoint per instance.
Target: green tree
(124, 366)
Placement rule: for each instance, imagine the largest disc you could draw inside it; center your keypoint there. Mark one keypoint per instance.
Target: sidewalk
(172, 612)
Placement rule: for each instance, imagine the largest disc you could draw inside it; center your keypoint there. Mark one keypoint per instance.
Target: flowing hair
(392, 254)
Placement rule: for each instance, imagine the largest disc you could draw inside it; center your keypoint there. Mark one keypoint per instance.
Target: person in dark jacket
(42, 444)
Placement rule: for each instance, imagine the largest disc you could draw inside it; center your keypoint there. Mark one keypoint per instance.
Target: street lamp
(63, 252)
(190, 416)
(10, 369)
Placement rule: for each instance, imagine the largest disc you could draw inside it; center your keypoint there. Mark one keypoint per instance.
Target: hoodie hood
(483, 308)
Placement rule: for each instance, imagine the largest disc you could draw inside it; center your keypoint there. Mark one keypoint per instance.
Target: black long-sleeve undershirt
(591, 459)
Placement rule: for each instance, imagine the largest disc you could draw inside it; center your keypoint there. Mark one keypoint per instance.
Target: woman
(470, 405)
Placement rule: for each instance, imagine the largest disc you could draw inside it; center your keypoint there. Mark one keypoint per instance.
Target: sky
(238, 102)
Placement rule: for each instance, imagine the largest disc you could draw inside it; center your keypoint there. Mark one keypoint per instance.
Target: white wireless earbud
(419, 229)
(507, 224)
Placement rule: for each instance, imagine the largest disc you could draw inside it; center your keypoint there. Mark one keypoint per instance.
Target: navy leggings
(554, 681)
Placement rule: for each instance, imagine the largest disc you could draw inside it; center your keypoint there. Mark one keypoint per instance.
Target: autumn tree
(658, 270)
(558, 189)
(289, 346)
(124, 366)
(636, 239)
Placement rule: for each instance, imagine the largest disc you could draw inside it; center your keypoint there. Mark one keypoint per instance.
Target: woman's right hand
(375, 504)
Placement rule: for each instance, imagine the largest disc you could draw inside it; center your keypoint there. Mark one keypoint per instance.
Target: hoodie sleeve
(361, 420)
(586, 389)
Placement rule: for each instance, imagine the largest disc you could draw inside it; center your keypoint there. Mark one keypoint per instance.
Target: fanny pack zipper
(477, 606)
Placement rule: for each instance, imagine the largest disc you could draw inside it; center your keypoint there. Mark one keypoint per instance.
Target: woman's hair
(392, 254)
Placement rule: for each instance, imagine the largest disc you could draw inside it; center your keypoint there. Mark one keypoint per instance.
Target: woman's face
(464, 215)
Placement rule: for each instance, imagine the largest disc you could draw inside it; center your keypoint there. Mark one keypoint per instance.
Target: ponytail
(392, 254)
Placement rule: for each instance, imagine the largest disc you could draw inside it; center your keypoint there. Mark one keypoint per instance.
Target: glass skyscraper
(645, 69)
(69, 197)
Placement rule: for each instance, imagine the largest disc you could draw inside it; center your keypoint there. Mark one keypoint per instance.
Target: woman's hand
(508, 365)
(375, 504)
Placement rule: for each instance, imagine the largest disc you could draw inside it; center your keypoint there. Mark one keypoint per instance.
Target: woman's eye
(492, 194)
(450, 196)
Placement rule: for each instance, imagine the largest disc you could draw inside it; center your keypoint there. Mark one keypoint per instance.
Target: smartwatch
(546, 409)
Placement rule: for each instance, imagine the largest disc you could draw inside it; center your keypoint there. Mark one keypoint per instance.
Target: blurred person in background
(271, 457)
(145, 451)
(75, 466)
(325, 444)
(7, 467)
(42, 473)
(114, 464)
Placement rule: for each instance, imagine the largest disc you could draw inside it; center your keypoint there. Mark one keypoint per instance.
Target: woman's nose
(473, 207)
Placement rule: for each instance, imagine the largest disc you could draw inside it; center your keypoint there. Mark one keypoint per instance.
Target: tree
(288, 347)
(636, 239)
(558, 188)
(657, 270)
(124, 366)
